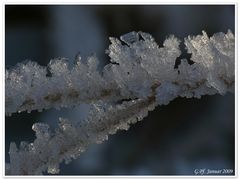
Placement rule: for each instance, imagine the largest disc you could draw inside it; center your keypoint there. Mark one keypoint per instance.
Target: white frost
(141, 76)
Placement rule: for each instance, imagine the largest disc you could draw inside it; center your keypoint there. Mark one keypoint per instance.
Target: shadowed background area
(176, 139)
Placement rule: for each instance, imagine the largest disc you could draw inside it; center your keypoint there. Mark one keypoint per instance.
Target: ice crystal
(141, 76)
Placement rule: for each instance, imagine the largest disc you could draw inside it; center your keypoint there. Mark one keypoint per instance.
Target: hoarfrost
(141, 76)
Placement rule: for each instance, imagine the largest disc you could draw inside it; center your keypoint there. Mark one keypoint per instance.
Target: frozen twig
(141, 76)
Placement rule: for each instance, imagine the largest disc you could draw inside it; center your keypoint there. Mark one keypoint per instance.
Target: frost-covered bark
(141, 76)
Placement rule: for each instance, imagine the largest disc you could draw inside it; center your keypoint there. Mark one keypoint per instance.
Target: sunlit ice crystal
(130, 37)
(58, 66)
(53, 169)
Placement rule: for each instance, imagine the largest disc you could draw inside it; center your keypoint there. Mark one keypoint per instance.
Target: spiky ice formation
(140, 71)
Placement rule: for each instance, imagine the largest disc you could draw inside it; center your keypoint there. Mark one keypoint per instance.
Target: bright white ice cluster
(141, 76)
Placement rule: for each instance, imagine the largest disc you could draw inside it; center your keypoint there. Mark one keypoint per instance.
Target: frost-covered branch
(72, 138)
(134, 69)
(141, 76)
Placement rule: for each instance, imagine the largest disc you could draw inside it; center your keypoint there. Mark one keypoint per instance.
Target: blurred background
(176, 139)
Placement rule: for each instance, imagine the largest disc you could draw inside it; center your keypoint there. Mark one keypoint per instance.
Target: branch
(71, 139)
(133, 69)
(139, 71)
